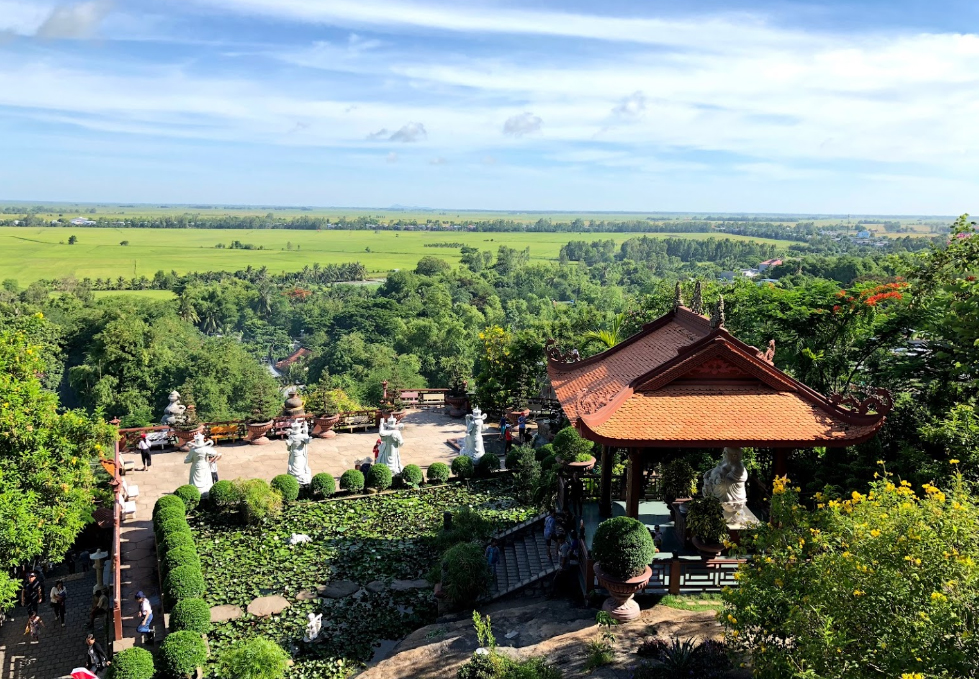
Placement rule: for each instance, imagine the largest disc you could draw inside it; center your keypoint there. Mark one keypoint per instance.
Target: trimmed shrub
(168, 513)
(511, 458)
(352, 480)
(259, 500)
(175, 540)
(168, 501)
(438, 472)
(467, 525)
(411, 475)
(191, 614)
(679, 480)
(486, 465)
(705, 519)
(190, 495)
(256, 658)
(379, 477)
(287, 486)
(548, 462)
(225, 495)
(465, 574)
(181, 653)
(462, 467)
(623, 547)
(133, 663)
(570, 446)
(171, 526)
(544, 452)
(180, 556)
(323, 485)
(526, 474)
(183, 582)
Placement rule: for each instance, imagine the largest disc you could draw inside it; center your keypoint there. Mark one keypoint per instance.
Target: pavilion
(684, 381)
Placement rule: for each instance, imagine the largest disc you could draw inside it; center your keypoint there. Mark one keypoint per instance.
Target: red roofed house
(768, 263)
(684, 381)
(292, 358)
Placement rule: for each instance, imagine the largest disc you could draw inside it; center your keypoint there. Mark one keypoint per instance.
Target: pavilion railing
(116, 555)
(673, 575)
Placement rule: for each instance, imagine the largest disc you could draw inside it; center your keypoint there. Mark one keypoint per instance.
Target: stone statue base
(738, 517)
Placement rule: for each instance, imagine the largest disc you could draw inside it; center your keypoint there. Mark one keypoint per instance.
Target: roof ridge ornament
(880, 401)
(556, 355)
(697, 305)
(677, 296)
(717, 318)
(769, 354)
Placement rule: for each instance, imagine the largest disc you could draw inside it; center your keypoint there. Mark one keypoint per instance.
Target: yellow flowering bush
(878, 585)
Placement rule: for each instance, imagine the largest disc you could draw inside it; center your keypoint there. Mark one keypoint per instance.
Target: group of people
(507, 435)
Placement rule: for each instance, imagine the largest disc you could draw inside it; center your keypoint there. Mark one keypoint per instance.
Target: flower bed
(373, 538)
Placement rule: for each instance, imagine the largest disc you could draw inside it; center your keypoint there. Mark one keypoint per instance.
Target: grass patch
(692, 602)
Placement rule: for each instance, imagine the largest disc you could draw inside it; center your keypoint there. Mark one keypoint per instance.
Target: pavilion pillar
(634, 490)
(605, 492)
(780, 464)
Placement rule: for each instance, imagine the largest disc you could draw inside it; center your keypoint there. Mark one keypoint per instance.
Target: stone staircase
(524, 561)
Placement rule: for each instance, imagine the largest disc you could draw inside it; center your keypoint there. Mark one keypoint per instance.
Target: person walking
(503, 425)
(59, 601)
(214, 467)
(145, 616)
(34, 625)
(522, 427)
(33, 593)
(550, 525)
(100, 607)
(70, 560)
(144, 452)
(493, 556)
(96, 659)
(508, 438)
(86, 558)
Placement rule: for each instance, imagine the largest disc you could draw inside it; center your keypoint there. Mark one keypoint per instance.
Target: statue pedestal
(738, 518)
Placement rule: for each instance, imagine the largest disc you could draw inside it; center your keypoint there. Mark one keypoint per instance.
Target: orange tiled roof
(680, 384)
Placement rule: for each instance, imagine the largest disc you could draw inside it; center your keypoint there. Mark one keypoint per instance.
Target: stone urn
(257, 432)
(457, 404)
(620, 604)
(708, 550)
(579, 467)
(293, 407)
(324, 426)
(384, 412)
(185, 436)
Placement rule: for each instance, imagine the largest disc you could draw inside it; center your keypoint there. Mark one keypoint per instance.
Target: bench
(158, 439)
(409, 398)
(128, 508)
(361, 419)
(432, 400)
(225, 432)
(129, 491)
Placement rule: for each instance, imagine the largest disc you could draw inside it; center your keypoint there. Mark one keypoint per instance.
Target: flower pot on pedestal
(185, 436)
(708, 550)
(257, 432)
(324, 426)
(620, 604)
(457, 404)
(579, 467)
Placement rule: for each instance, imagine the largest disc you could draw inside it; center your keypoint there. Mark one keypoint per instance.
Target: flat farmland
(32, 253)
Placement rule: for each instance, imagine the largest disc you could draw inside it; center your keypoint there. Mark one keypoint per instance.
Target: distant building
(81, 221)
(769, 263)
(763, 281)
(749, 273)
(863, 234)
(292, 358)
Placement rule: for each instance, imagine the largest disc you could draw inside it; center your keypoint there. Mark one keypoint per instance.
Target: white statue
(473, 444)
(173, 412)
(313, 628)
(299, 452)
(199, 457)
(299, 539)
(391, 442)
(727, 480)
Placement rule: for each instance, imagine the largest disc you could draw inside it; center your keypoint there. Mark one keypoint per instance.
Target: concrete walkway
(425, 434)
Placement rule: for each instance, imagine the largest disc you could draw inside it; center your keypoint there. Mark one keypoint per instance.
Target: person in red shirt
(377, 449)
(508, 437)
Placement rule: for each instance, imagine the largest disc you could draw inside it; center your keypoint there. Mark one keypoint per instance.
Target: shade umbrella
(82, 673)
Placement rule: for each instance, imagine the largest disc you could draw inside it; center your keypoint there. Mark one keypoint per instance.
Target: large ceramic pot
(324, 426)
(514, 415)
(185, 436)
(257, 432)
(708, 550)
(385, 413)
(580, 467)
(457, 405)
(620, 604)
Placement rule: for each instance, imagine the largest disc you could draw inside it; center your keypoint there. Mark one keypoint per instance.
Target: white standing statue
(473, 444)
(199, 458)
(727, 480)
(299, 452)
(313, 627)
(391, 442)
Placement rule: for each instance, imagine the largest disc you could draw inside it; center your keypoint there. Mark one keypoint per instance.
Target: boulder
(225, 613)
(338, 589)
(267, 605)
(306, 595)
(376, 586)
(405, 585)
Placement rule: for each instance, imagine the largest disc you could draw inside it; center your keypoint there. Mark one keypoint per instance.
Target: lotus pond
(374, 539)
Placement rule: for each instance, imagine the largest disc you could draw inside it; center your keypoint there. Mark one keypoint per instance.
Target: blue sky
(862, 107)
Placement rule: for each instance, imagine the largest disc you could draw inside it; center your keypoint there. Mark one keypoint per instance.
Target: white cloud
(76, 21)
(521, 124)
(391, 157)
(411, 132)
(380, 134)
(631, 107)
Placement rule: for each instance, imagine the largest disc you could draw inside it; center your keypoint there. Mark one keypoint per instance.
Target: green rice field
(33, 253)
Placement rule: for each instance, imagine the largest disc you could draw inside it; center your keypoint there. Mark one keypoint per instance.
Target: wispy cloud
(631, 107)
(521, 124)
(411, 132)
(76, 21)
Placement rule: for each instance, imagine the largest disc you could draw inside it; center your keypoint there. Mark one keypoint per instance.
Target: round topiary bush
(465, 574)
(352, 480)
(166, 514)
(191, 614)
(439, 472)
(462, 467)
(570, 446)
(379, 476)
(190, 495)
(173, 541)
(180, 556)
(544, 452)
(183, 582)
(323, 485)
(259, 501)
(181, 653)
(287, 485)
(411, 475)
(548, 462)
(169, 501)
(486, 465)
(256, 658)
(171, 526)
(224, 495)
(623, 547)
(133, 663)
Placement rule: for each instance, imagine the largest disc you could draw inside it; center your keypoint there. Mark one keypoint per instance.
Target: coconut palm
(610, 336)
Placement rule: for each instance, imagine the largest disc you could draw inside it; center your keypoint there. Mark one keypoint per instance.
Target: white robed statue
(298, 446)
(199, 458)
(727, 482)
(391, 442)
(472, 446)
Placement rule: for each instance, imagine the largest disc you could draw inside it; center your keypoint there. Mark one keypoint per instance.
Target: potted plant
(328, 405)
(623, 550)
(515, 414)
(679, 480)
(186, 427)
(264, 406)
(573, 451)
(705, 521)
(457, 399)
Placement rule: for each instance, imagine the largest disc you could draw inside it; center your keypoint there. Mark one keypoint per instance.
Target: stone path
(425, 434)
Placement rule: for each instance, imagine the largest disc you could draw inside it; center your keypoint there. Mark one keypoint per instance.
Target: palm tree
(609, 337)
